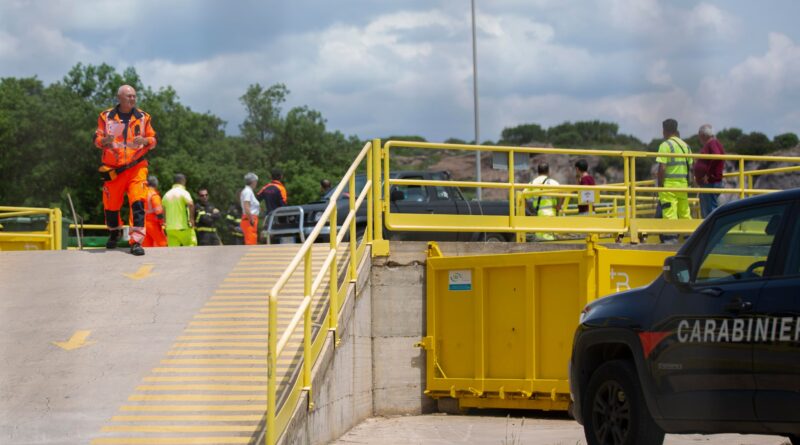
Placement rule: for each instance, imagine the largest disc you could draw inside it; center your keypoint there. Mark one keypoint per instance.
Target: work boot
(113, 237)
(136, 249)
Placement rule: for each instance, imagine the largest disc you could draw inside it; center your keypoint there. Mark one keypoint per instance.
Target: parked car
(711, 346)
(294, 223)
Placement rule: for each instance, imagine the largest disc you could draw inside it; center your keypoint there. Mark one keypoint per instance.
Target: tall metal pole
(475, 97)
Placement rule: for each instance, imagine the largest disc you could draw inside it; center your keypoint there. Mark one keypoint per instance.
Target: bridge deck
(102, 347)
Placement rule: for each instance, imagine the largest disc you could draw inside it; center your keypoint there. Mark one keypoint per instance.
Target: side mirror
(397, 195)
(677, 270)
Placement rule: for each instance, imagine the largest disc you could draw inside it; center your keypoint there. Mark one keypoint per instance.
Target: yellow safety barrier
(628, 219)
(47, 239)
(500, 327)
(278, 416)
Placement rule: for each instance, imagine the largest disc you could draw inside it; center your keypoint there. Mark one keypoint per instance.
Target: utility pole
(475, 97)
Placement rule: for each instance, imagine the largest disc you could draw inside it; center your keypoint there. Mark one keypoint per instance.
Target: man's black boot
(113, 237)
(136, 249)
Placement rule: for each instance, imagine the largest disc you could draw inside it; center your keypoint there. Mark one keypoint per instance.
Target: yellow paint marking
(178, 429)
(193, 408)
(222, 337)
(233, 315)
(77, 340)
(209, 361)
(228, 323)
(189, 418)
(219, 352)
(263, 303)
(197, 397)
(245, 369)
(249, 280)
(256, 309)
(216, 440)
(209, 378)
(144, 271)
(196, 387)
(222, 344)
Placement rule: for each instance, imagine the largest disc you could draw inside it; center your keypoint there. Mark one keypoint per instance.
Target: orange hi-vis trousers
(133, 183)
(250, 231)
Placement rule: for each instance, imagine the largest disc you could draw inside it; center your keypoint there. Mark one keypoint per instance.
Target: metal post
(741, 178)
(307, 329)
(370, 208)
(475, 97)
(333, 284)
(272, 366)
(380, 246)
(352, 227)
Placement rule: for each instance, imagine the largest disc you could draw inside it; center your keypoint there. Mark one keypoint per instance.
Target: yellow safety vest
(676, 171)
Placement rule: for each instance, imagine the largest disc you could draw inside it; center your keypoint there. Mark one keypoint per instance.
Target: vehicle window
(793, 258)
(413, 193)
(739, 245)
(441, 193)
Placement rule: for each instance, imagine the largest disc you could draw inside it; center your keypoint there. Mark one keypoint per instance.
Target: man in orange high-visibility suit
(125, 134)
(154, 216)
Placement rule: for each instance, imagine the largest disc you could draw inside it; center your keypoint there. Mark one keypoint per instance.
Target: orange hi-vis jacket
(152, 206)
(122, 151)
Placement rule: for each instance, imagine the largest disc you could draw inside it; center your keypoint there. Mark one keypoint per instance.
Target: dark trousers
(207, 239)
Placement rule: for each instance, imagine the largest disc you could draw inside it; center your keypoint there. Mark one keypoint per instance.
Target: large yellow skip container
(500, 327)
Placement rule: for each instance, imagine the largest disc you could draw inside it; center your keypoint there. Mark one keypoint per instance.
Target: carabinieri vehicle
(711, 346)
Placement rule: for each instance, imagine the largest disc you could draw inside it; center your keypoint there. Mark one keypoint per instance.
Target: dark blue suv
(711, 346)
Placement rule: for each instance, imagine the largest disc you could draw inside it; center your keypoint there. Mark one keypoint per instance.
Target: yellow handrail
(312, 284)
(50, 238)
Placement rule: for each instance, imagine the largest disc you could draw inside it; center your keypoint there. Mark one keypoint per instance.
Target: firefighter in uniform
(205, 220)
(233, 221)
(125, 135)
(154, 216)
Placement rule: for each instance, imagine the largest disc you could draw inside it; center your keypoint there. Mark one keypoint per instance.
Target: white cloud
(658, 74)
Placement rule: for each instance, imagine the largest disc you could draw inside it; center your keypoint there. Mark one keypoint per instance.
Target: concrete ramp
(101, 347)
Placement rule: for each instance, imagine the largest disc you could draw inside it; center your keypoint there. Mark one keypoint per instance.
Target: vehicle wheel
(614, 409)
(494, 238)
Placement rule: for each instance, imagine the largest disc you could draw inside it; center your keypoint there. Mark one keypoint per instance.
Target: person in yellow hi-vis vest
(673, 172)
(543, 205)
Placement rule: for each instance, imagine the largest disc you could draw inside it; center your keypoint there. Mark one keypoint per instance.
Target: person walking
(250, 209)
(154, 216)
(274, 193)
(179, 210)
(125, 135)
(708, 172)
(205, 221)
(543, 205)
(673, 172)
(584, 178)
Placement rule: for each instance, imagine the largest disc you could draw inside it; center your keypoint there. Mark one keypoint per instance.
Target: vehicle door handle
(738, 305)
(712, 291)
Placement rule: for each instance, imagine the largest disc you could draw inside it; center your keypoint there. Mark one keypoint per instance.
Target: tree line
(46, 149)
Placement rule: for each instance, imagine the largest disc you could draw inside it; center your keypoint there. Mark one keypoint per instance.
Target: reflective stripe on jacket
(676, 170)
(122, 150)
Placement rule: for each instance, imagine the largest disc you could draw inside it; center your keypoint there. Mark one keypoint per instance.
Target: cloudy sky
(376, 67)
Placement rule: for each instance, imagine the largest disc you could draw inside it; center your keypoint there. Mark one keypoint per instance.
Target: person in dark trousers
(233, 221)
(584, 178)
(205, 220)
(274, 193)
(708, 172)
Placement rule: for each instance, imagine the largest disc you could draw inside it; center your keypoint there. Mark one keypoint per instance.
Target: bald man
(125, 135)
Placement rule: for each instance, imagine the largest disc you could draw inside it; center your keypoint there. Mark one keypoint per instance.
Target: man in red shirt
(708, 172)
(584, 178)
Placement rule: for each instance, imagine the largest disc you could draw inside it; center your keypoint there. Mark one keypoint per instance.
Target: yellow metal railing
(48, 239)
(278, 417)
(633, 220)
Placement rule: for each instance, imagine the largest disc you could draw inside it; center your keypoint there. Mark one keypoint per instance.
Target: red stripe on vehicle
(650, 340)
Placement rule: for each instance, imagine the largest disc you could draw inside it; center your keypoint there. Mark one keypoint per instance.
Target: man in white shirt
(250, 209)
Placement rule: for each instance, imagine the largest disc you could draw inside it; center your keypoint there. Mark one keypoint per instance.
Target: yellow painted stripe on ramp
(207, 378)
(216, 440)
(242, 369)
(228, 323)
(197, 397)
(189, 418)
(198, 387)
(222, 337)
(258, 407)
(179, 429)
(221, 344)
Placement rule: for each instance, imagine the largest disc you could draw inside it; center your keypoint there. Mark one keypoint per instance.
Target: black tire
(614, 409)
(494, 238)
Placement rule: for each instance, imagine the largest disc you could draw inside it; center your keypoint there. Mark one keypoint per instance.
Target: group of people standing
(273, 194)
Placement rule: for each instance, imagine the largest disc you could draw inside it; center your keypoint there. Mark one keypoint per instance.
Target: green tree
(522, 134)
(785, 140)
(754, 143)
